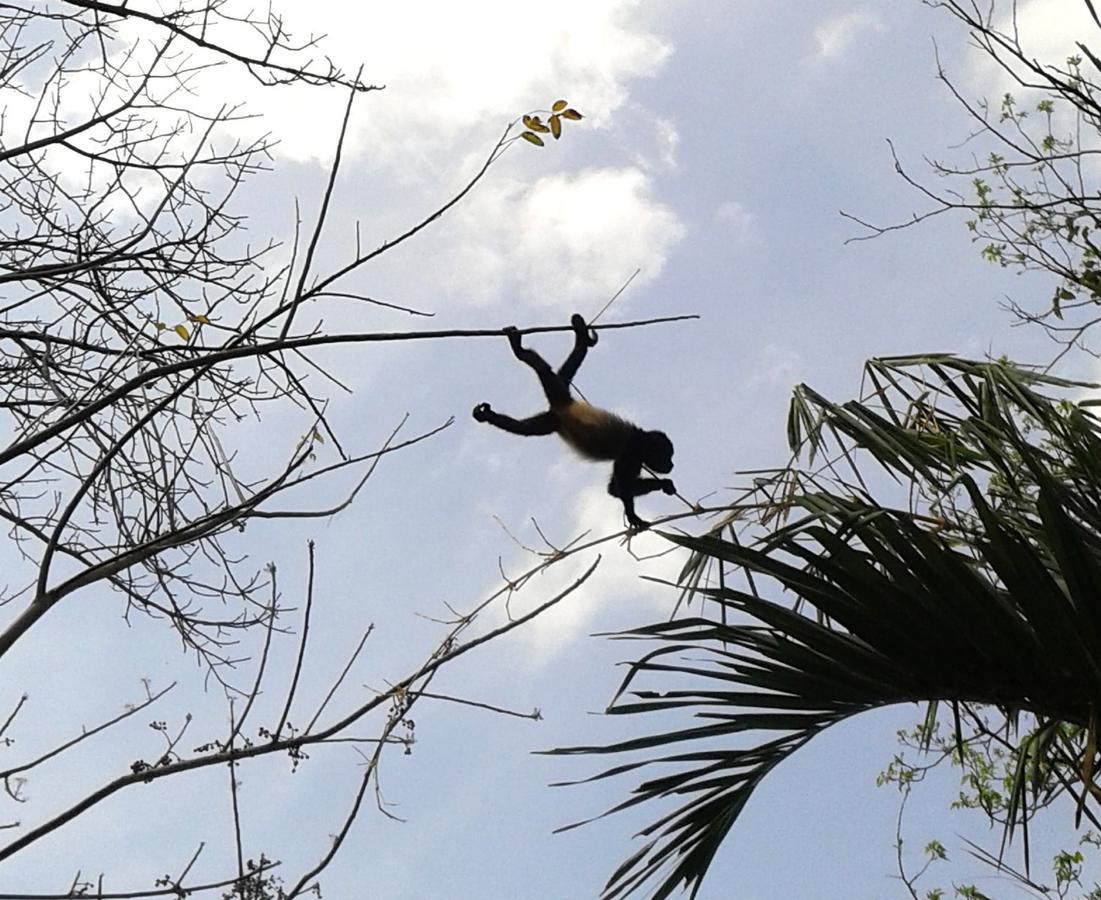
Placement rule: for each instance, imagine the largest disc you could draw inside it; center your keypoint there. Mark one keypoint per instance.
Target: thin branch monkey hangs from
(594, 433)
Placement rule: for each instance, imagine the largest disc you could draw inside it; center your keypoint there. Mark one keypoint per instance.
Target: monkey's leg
(632, 517)
(544, 423)
(622, 486)
(582, 341)
(555, 389)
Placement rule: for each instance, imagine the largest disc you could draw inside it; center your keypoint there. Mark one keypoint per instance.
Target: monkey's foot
(589, 334)
(667, 486)
(514, 338)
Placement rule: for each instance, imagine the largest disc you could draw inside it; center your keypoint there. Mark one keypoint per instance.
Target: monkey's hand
(588, 334)
(667, 486)
(481, 412)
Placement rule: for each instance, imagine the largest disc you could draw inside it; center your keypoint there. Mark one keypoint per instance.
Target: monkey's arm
(544, 423)
(646, 485)
(637, 488)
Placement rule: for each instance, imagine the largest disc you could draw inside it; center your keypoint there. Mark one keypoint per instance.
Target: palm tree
(967, 579)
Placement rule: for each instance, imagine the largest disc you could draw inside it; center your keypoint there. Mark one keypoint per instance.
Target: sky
(720, 143)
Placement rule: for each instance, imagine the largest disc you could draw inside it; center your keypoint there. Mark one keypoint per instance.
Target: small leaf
(532, 138)
(529, 122)
(199, 320)
(182, 331)
(1061, 294)
(559, 105)
(556, 127)
(536, 124)
(572, 114)
(160, 326)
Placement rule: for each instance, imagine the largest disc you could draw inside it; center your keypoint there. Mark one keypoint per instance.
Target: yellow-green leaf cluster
(535, 125)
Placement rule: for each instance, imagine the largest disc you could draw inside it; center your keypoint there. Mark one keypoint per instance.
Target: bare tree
(140, 324)
(1025, 177)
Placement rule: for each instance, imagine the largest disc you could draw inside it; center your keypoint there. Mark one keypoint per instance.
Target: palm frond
(981, 589)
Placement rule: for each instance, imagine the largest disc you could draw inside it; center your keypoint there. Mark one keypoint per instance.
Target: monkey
(593, 433)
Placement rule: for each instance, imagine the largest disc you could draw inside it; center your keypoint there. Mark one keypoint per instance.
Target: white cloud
(82, 94)
(616, 581)
(1052, 28)
(560, 242)
(1048, 30)
(738, 221)
(775, 366)
(451, 68)
(650, 140)
(834, 36)
(668, 139)
(455, 74)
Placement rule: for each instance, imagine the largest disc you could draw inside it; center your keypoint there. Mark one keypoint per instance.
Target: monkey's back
(594, 433)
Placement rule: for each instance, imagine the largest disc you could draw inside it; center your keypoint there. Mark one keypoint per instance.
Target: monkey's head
(657, 451)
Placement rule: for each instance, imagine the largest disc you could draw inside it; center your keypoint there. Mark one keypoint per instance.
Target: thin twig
(301, 644)
(535, 715)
